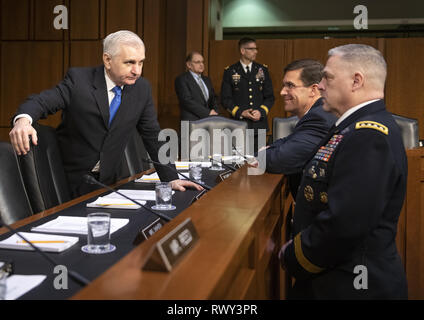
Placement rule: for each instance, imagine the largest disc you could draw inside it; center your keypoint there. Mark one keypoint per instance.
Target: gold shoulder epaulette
(226, 67)
(372, 125)
(265, 65)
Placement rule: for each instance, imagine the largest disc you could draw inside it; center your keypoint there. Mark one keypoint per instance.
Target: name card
(198, 196)
(169, 250)
(224, 175)
(237, 165)
(148, 231)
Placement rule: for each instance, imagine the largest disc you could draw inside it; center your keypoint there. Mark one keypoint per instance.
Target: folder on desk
(45, 242)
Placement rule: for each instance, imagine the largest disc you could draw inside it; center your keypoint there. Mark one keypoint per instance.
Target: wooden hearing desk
(239, 227)
(239, 223)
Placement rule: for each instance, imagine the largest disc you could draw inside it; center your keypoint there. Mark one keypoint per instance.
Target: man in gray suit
(195, 91)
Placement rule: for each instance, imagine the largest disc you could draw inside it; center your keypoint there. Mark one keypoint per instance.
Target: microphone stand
(91, 180)
(224, 164)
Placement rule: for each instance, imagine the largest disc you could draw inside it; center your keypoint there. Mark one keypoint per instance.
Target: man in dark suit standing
(195, 91)
(246, 90)
(303, 99)
(100, 106)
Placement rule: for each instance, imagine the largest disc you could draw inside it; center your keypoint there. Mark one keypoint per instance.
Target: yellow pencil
(115, 204)
(43, 241)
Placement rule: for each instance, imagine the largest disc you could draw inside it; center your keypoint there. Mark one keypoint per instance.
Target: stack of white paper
(75, 225)
(114, 203)
(45, 242)
(18, 285)
(153, 177)
(184, 165)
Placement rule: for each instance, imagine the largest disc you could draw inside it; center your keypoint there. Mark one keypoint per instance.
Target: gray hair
(112, 43)
(367, 59)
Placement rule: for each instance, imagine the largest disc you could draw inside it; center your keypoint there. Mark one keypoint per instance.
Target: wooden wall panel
(21, 76)
(273, 53)
(121, 15)
(43, 20)
(154, 40)
(14, 19)
(194, 22)
(86, 53)
(84, 19)
(221, 54)
(404, 85)
(175, 52)
(318, 48)
(4, 134)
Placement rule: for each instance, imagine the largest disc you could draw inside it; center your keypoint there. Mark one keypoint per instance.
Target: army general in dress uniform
(246, 90)
(352, 190)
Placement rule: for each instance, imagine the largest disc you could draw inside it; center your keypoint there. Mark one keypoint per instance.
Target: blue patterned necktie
(114, 105)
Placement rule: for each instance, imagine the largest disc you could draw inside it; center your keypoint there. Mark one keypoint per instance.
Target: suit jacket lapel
(100, 94)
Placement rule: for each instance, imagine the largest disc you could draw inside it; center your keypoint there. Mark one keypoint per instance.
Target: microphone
(238, 152)
(224, 164)
(91, 180)
(176, 171)
(82, 281)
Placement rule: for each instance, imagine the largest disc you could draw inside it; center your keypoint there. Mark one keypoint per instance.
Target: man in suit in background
(100, 106)
(246, 90)
(352, 190)
(195, 91)
(303, 99)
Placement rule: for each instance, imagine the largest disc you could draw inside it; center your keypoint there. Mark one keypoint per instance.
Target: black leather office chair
(14, 202)
(233, 131)
(409, 130)
(133, 155)
(282, 127)
(43, 173)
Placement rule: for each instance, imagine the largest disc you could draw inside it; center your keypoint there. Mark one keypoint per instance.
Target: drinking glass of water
(98, 236)
(163, 196)
(216, 162)
(196, 172)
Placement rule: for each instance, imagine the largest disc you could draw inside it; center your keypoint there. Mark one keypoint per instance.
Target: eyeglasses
(198, 62)
(253, 48)
(291, 86)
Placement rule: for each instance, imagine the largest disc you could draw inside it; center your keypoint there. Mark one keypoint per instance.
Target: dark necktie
(114, 105)
(247, 70)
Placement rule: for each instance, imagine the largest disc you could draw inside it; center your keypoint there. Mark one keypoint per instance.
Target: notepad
(114, 203)
(184, 165)
(75, 225)
(153, 177)
(45, 242)
(18, 285)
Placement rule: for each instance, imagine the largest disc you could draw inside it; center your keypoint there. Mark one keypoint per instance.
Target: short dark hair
(191, 54)
(245, 40)
(312, 70)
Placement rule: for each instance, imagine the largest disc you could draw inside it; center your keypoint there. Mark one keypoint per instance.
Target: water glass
(3, 284)
(163, 193)
(98, 236)
(196, 171)
(216, 161)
